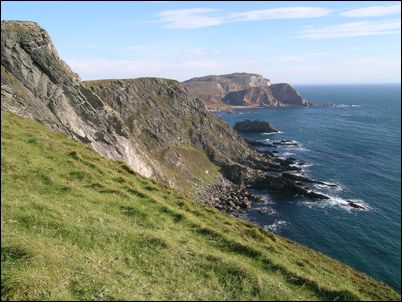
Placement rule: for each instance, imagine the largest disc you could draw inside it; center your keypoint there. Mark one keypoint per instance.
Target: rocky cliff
(37, 84)
(243, 89)
(154, 125)
(151, 124)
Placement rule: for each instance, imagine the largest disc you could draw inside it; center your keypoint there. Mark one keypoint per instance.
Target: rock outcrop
(37, 84)
(254, 126)
(243, 89)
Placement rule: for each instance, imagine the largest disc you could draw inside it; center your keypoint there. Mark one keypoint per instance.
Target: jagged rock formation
(243, 89)
(37, 84)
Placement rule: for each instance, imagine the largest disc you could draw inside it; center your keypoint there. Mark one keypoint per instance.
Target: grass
(76, 226)
(200, 169)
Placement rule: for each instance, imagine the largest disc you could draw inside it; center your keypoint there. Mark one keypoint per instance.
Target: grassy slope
(78, 226)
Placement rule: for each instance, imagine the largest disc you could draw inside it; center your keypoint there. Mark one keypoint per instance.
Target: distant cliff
(243, 89)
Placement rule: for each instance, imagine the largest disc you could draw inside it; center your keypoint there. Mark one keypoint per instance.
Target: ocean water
(357, 146)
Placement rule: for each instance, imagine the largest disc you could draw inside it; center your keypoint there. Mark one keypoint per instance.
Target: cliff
(154, 125)
(37, 84)
(243, 89)
(151, 124)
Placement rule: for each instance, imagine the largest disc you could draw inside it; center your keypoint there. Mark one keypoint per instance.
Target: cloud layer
(205, 17)
(353, 29)
(373, 11)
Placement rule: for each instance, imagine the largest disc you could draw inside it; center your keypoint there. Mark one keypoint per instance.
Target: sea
(356, 145)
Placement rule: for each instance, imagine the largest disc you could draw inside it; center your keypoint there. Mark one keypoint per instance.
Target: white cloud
(190, 18)
(281, 13)
(178, 69)
(369, 70)
(373, 11)
(375, 61)
(205, 17)
(353, 29)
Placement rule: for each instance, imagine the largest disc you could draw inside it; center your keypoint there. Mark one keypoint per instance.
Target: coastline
(338, 152)
(230, 108)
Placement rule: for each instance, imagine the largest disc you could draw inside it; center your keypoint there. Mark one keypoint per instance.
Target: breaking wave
(341, 203)
(275, 226)
(272, 133)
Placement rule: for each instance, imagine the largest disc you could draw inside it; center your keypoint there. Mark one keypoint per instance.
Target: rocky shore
(227, 196)
(233, 193)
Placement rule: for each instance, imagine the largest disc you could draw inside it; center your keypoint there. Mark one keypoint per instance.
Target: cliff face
(287, 95)
(243, 89)
(176, 130)
(37, 84)
(151, 124)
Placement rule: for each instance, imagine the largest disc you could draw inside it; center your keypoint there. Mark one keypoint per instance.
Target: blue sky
(301, 42)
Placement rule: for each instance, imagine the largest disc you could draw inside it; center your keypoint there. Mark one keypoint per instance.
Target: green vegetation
(203, 171)
(77, 226)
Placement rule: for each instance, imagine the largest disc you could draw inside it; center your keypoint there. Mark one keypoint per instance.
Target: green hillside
(76, 226)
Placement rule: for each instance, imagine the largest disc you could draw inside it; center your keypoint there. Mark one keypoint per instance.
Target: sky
(299, 42)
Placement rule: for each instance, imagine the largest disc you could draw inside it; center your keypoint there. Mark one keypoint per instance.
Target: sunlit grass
(76, 226)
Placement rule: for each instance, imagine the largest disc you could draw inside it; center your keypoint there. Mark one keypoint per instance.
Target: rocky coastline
(234, 192)
(153, 125)
(235, 109)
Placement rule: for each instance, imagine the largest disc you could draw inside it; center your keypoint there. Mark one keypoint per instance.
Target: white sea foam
(285, 155)
(276, 225)
(272, 133)
(346, 105)
(266, 199)
(267, 211)
(300, 148)
(338, 202)
(329, 186)
(302, 174)
(303, 165)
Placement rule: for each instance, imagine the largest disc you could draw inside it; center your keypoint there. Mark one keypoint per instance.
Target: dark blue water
(356, 146)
